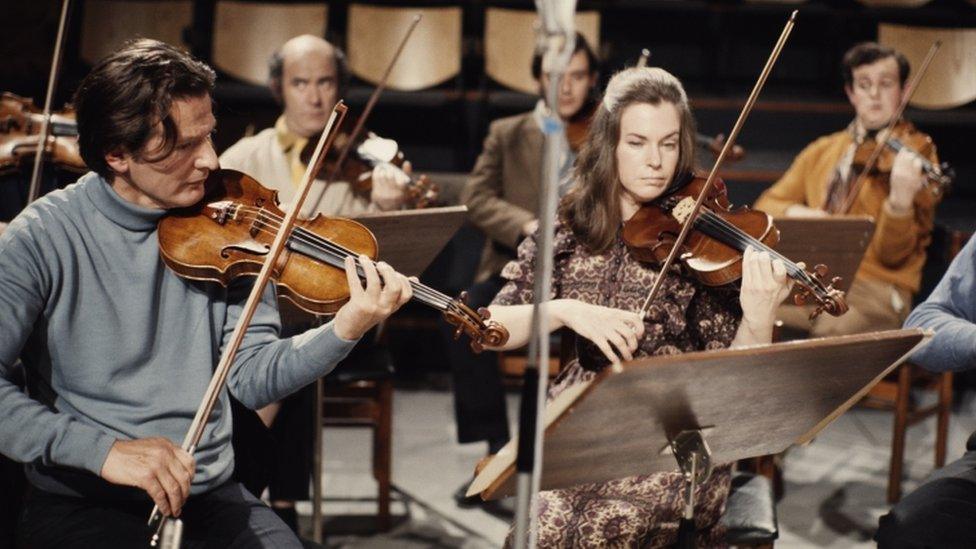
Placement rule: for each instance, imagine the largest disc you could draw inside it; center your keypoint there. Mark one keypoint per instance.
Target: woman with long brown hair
(641, 142)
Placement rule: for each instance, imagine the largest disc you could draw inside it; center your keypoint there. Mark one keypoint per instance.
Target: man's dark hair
(866, 53)
(276, 68)
(127, 93)
(581, 46)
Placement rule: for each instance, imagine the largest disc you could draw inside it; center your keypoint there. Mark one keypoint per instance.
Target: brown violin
(364, 155)
(20, 126)
(715, 144)
(713, 250)
(904, 135)
(229, 233)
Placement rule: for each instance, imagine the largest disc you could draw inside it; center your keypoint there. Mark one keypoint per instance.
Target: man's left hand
(389, 184)
(906, 180)
(386, 291)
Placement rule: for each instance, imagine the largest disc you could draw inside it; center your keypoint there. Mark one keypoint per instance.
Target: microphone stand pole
(557, 38)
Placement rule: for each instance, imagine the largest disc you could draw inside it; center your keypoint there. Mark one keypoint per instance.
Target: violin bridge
(221, 212)
(682, 210)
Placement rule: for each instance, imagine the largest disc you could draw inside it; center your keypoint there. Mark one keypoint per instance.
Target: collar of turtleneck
(120, 211)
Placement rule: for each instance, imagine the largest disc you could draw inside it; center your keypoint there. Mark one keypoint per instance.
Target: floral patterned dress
(641, 511)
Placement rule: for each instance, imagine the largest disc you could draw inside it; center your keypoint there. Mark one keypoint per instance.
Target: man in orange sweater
(820, 178)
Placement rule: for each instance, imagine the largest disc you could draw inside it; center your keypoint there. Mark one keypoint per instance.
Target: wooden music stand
(410, 239)
(838, 242)
(744, 402)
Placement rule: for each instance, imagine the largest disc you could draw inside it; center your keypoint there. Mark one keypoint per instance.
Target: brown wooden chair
(107, 24)
(894, 393)
(359, 393)
(951, 78)
(266, 26)
(510, 43)
(374, 33)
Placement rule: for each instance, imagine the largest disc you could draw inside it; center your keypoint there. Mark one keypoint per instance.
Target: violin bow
(52, 81)
(373, 98)
(873, 159)
(217, 382)
(733, 135)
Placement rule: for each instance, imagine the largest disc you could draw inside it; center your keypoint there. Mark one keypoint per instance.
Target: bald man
(307, 76)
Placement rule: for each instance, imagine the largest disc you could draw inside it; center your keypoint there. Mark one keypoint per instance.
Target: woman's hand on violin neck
(385, 291)
(389, 185)
(765, 285)
(616, 332)
(906, 180)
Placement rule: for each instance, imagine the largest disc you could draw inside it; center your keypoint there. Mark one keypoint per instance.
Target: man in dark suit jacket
(502, 196)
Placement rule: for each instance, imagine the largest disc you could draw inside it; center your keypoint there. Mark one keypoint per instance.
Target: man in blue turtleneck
(119, 351)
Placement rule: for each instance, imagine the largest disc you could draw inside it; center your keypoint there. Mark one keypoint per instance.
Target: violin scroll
(482, 331)
(826, 295)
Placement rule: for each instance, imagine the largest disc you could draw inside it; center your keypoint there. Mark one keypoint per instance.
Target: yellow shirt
(896, 253)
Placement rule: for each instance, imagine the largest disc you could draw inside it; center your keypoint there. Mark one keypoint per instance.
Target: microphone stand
(557, 38)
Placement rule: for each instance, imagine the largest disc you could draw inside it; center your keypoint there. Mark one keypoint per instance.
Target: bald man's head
(307, 76)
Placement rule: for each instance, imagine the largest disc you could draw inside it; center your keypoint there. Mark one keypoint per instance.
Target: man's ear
(850, 93)
(118, 161)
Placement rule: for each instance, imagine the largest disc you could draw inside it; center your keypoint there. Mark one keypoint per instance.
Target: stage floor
(835, 487)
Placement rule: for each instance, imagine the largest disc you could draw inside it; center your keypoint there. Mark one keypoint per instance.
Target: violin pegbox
(825, 295)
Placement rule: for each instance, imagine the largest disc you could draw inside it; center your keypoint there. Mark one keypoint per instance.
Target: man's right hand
(157, 466)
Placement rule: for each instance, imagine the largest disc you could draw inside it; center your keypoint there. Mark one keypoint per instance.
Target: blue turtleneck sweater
(116, 346)
(951, 311)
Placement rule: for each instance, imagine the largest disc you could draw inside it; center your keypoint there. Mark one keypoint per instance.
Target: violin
(712, 252)
(230, 231)
(365, 154)
(578, 126)
(20, 126)
(904, 135)
(715, 144)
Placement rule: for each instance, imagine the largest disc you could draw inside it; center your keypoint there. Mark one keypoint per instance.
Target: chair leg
(942, 425)
(898, 436)
(382, 449)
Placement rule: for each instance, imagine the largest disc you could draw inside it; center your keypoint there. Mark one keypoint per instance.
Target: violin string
(423, 292)
(338, 251)
(712, 221)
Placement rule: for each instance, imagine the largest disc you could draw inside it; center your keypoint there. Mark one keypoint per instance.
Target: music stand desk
(839, 242)
(746, 402)
(410, 239)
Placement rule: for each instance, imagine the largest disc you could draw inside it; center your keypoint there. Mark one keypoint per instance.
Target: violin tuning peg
(463, 298)
(484, 313)
(458, 332)
(820, 270)
(834, 282)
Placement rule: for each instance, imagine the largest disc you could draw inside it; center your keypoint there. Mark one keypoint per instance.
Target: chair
(510, 43)
(107, 24)
(374, 33)
(750, 512)
(359, 393)
(244, 39)
(951, 78)
(894, 393)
